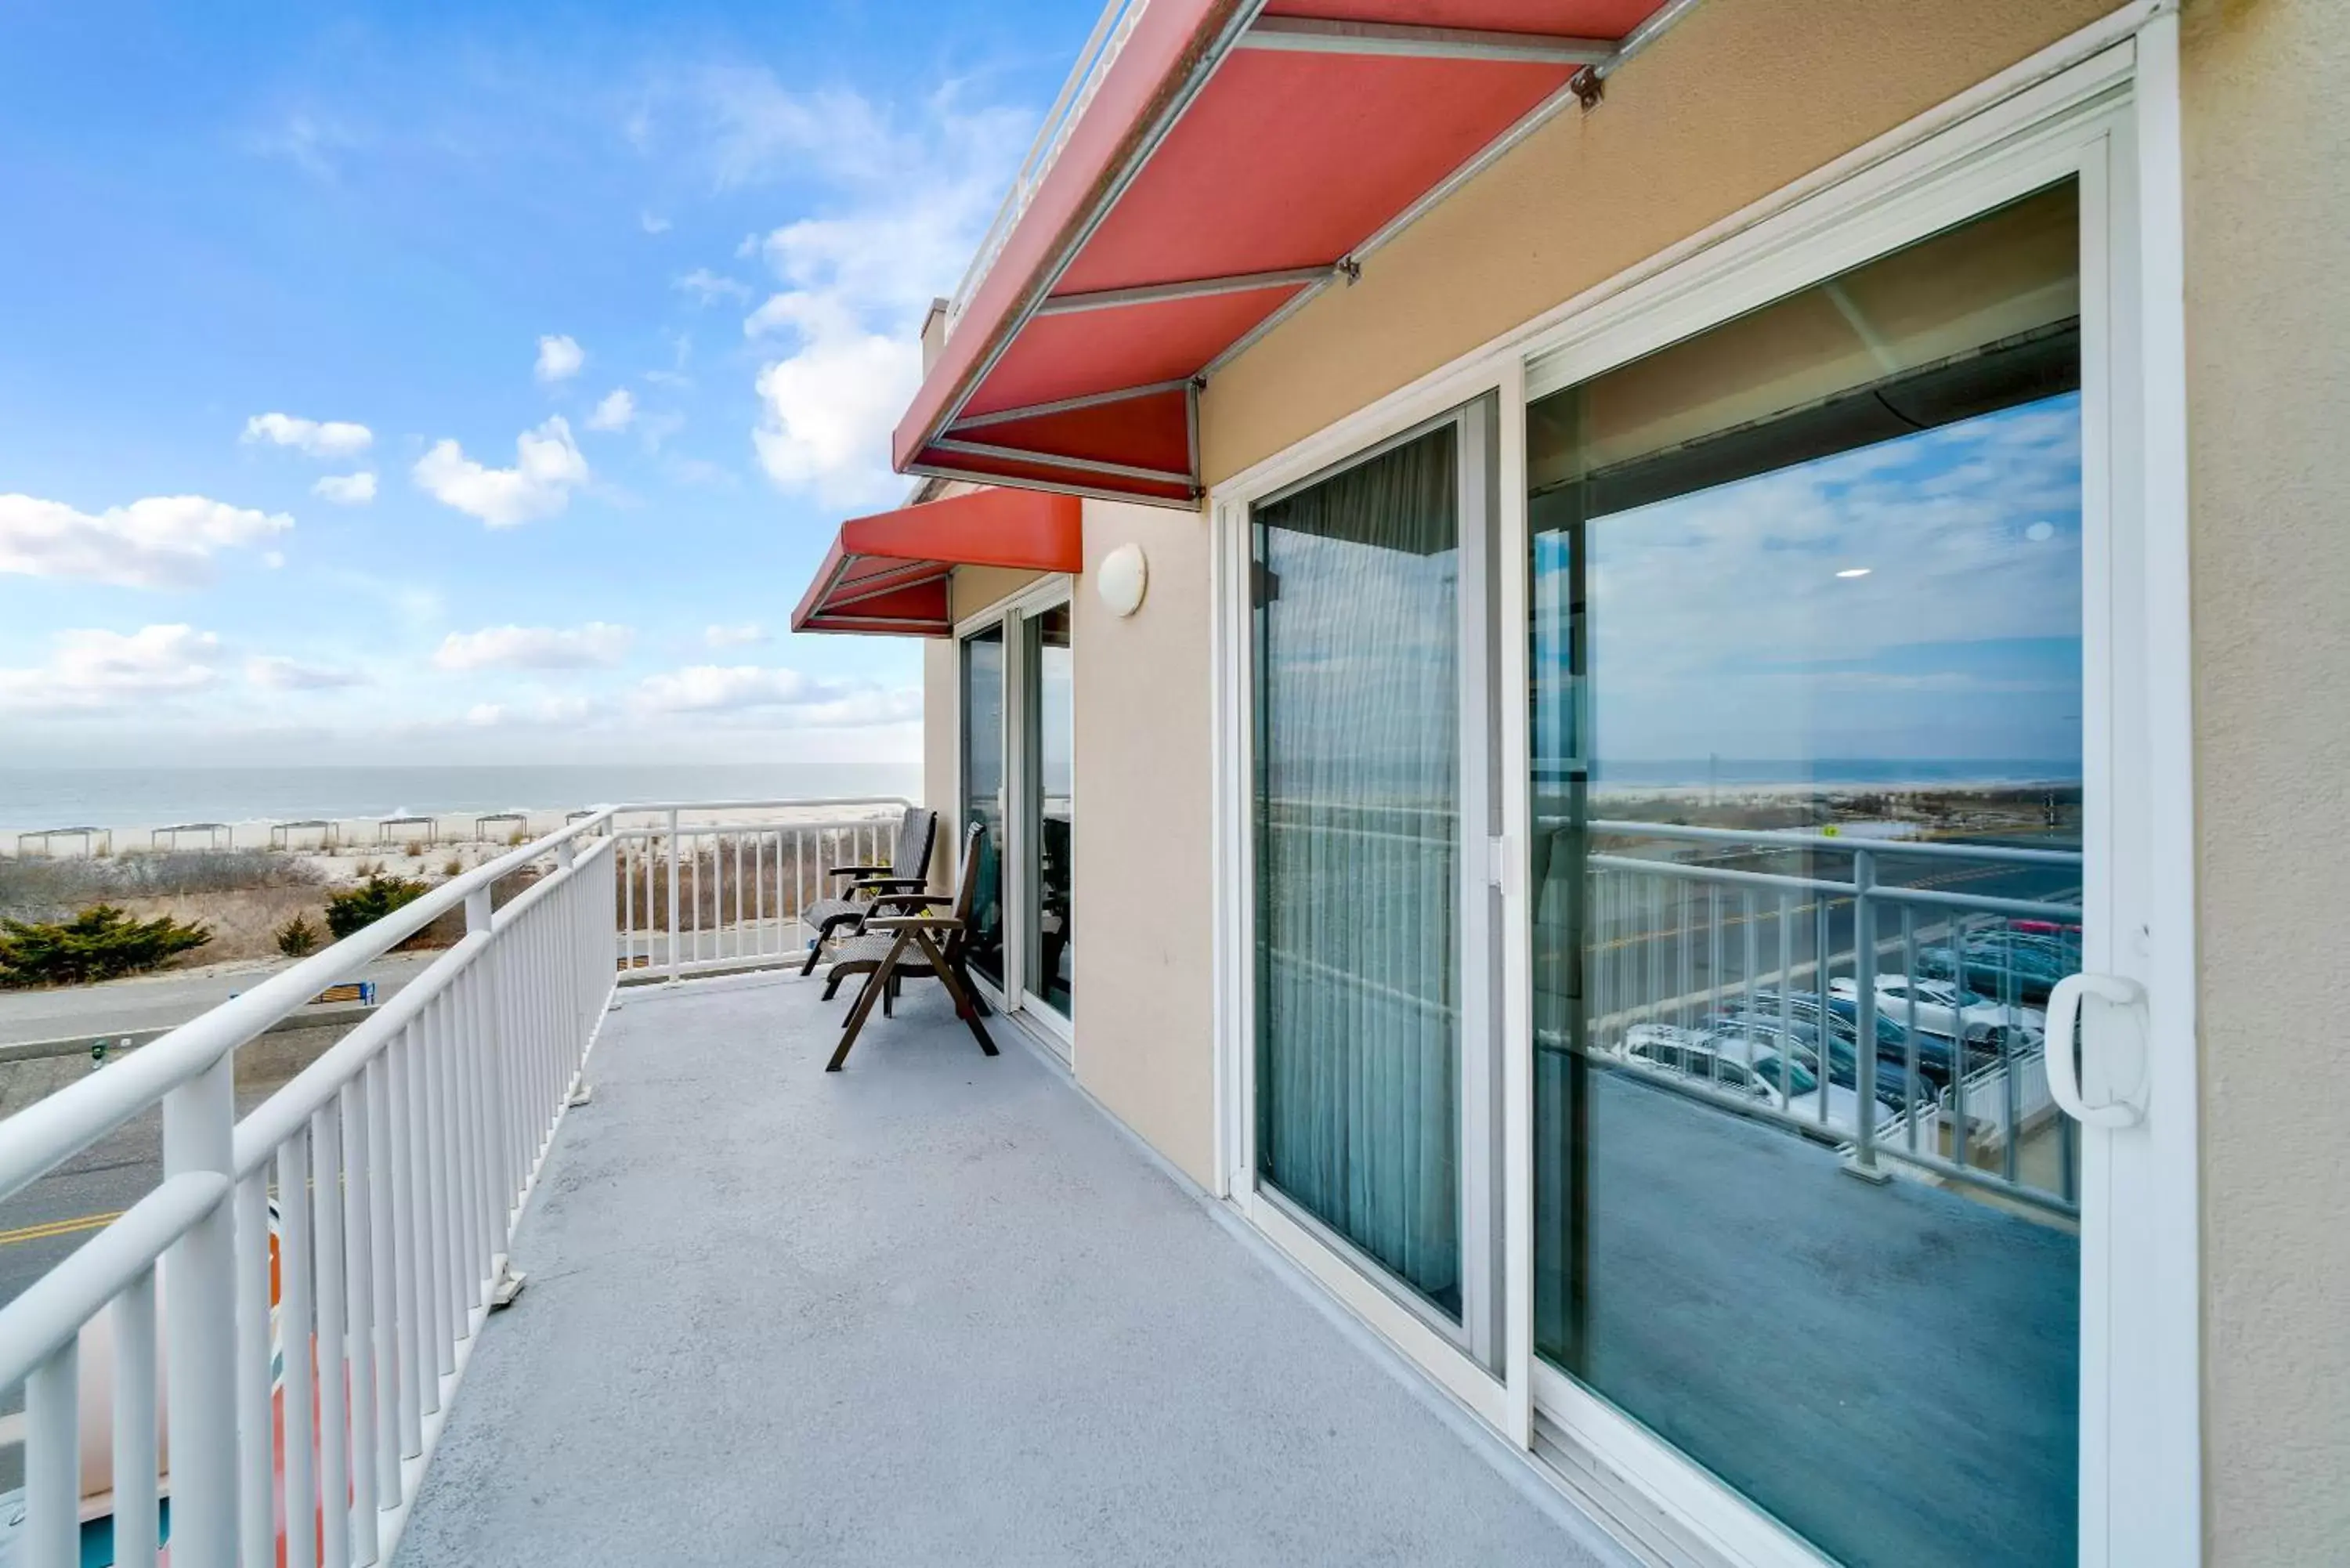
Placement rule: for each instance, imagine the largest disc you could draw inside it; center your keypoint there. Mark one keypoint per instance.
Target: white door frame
(1012, 612)
(2101, 106)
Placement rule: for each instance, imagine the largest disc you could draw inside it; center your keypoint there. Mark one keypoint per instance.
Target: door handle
(2059, 1042)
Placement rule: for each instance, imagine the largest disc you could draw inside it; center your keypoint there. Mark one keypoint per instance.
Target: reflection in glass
(1357, 851)
(983, 791)
(1820, 569)
(1052, 811)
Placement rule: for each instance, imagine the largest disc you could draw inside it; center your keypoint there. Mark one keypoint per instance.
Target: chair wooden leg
(963, 1000)
(875, 984)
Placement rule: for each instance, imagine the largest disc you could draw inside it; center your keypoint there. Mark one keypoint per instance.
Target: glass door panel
(983, 787)
(1358, 853)
(1046, 671)
(1802, 1207)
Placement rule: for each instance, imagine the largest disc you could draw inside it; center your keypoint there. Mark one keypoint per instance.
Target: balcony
(936, 1307)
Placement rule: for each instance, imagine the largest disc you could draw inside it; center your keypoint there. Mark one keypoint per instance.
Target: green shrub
(298, 937)
(99, 943)
(370, 901)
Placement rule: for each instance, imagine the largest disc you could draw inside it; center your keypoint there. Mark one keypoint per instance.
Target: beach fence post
(674, 971)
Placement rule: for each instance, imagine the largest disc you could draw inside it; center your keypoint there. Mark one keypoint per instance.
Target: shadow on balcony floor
(933, 1309)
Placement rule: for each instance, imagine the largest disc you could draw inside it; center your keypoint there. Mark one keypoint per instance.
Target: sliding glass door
(1019, 775)
(1372, 597)
(1807, 649)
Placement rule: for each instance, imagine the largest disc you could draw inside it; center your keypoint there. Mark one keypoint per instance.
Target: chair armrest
(908, 901)
(859, 870)
(912, 923)
(891, 882)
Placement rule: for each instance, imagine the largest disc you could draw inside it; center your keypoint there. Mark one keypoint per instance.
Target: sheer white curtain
(1358, 835)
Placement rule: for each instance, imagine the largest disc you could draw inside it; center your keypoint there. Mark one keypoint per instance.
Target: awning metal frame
(1246, 28)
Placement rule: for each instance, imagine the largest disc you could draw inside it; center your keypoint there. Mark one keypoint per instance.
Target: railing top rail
(693, 829)
(50, 1131)
(1093, 62)
(632, 807)
(1835, 843)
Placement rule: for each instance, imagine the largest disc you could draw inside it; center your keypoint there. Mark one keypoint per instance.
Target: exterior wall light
(1122, 578)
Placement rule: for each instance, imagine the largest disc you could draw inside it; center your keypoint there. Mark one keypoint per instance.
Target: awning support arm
(1067, 405)
(1320, 36)
(1191, 288)
(1054, 460)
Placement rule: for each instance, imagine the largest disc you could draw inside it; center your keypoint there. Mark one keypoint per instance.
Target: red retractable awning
(887, 573)
(1227, 157)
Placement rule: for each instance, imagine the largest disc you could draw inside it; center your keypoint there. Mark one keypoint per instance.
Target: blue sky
(613, 309)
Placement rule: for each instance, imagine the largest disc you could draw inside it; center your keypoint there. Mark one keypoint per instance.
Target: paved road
(160, 1001)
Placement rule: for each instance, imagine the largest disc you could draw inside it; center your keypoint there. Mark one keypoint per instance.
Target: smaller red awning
(886, 574)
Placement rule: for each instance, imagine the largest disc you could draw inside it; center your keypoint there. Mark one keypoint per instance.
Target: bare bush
(41, 889)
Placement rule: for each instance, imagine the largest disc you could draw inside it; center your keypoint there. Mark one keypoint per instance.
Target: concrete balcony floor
(934, 1308)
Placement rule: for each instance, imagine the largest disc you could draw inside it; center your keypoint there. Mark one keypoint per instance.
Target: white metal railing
(300, 1419)
(1742, 931)
(1101, 49)
(703, 895)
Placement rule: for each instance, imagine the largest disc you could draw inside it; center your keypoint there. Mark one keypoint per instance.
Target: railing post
(200, 1325)
(674, 970)
(1863, 1161)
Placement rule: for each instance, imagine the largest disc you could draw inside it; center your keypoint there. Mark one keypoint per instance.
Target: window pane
(983, 791)
(1358, 850)
(1820, 569)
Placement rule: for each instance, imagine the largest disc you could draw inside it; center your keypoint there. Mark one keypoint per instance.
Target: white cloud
(615, 412)
(278, 674)
(93, 670)
(347, 489)
(482, 715)
(826, 413)
(856, 282)
(797, 699)
(559, 358)
(547, 468)
(536, 647)
(734, 636)
(707, 288)
(163, 541)
(715, 688)
(323, 438)
(652, 222)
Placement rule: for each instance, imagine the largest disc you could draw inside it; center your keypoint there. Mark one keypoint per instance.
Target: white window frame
(2101, 106)
(1015, 998)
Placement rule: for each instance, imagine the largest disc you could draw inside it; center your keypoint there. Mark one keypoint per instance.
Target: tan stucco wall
(2267, 143)
(1145, 1003)
(1738, 99)
(941, 780)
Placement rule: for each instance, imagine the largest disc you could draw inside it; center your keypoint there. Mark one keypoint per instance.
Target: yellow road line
(57, 1228)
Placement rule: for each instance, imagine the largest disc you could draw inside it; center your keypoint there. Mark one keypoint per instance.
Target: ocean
(31, 799)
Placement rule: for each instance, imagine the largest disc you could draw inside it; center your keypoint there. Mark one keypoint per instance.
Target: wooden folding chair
(896, 942)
